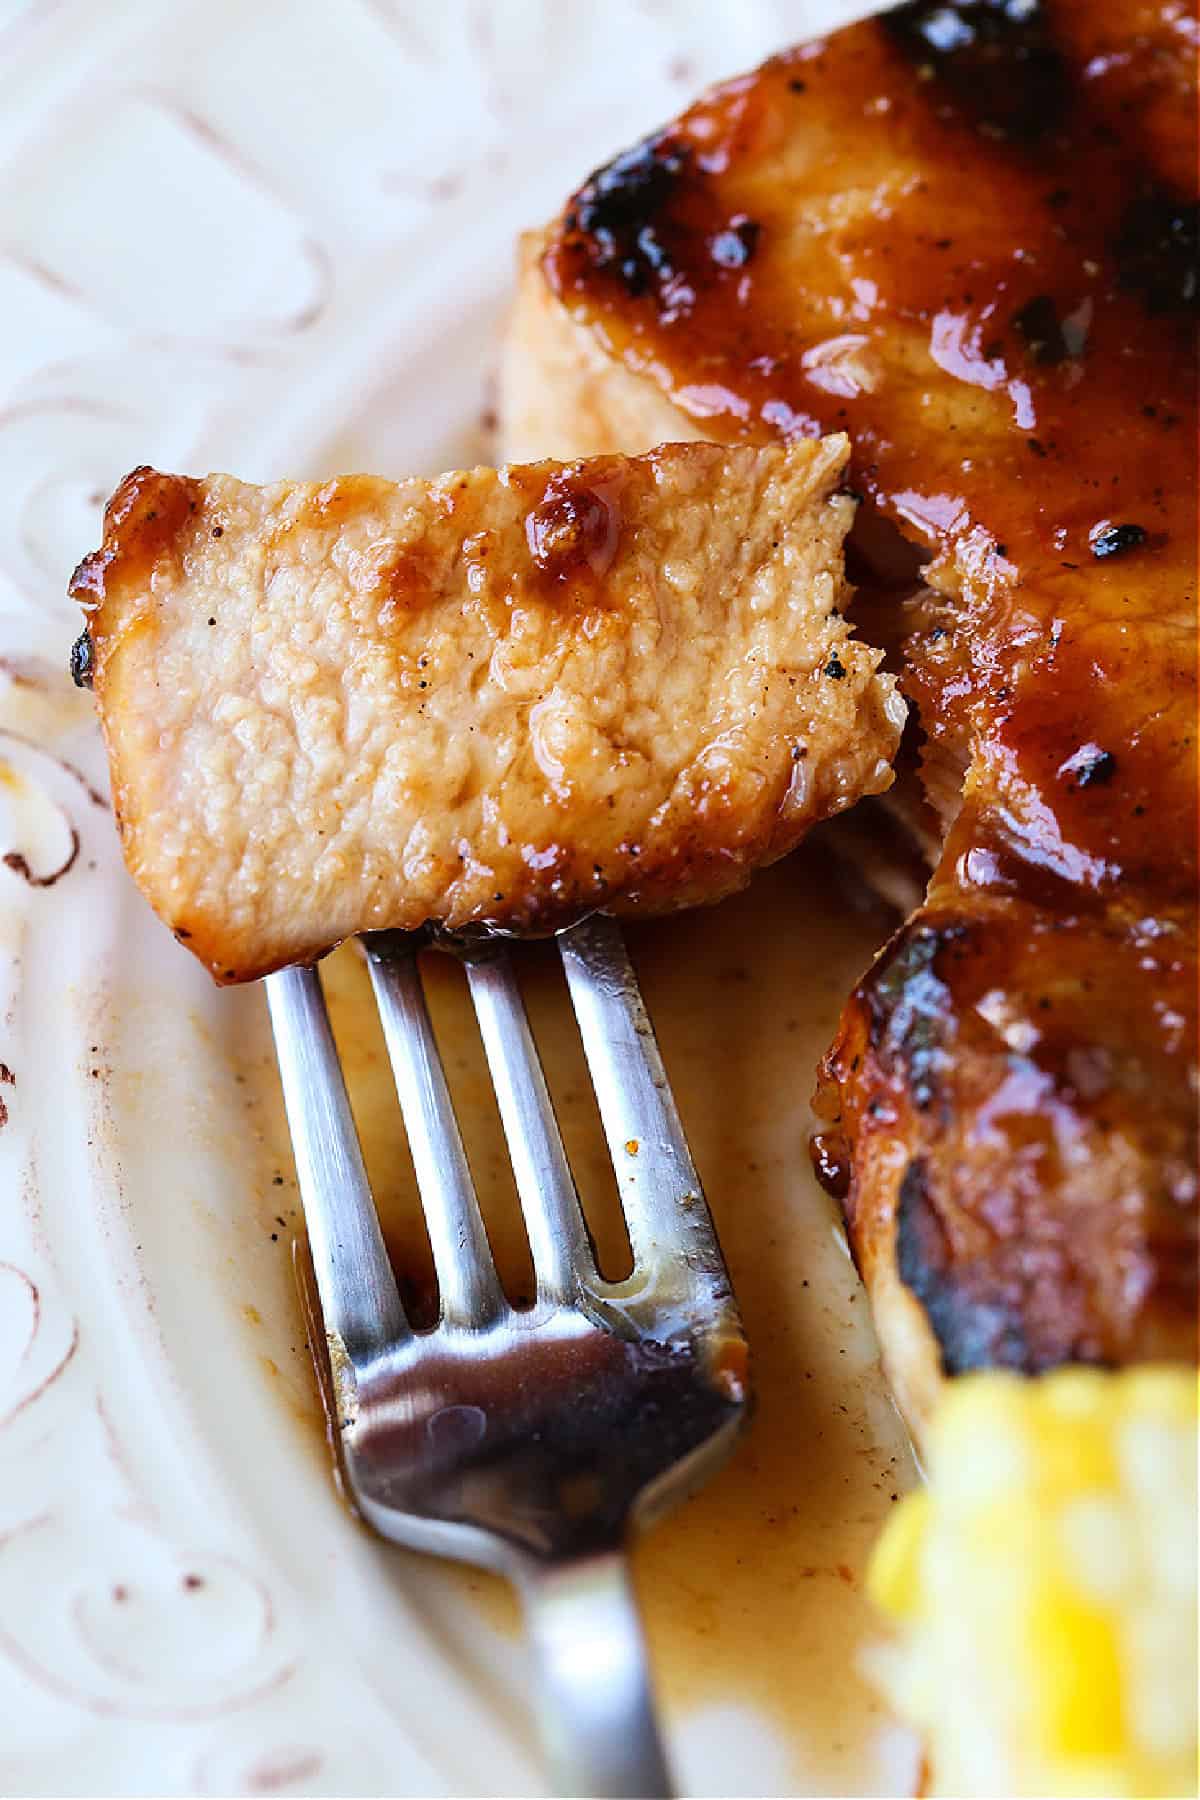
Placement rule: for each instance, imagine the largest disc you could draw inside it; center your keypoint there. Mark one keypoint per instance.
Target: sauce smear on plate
(752, 1591)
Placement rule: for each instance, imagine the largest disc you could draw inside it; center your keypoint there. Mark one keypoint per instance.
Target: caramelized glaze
(574, 531)
(968, 236)
(142, 520)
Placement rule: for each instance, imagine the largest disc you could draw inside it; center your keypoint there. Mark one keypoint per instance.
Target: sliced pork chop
(501, 698)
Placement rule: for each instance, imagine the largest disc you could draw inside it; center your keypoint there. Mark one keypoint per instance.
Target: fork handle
(595, 1699)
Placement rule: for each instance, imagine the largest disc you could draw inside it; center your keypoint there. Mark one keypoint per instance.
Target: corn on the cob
(1043, 1587)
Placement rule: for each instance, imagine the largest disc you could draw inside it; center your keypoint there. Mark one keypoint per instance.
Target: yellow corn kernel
(1042, 1589)
(1159, 1393)
(1078, 1697)
(893, 1575)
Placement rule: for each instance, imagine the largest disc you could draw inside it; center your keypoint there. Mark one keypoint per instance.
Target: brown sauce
(752, 1591)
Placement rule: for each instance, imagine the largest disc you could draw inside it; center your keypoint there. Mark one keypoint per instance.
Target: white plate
(277, 239)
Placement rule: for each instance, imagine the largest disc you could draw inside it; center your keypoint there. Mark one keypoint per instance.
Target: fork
(528, 1441)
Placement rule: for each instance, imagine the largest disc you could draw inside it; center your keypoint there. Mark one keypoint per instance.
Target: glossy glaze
(963, 235)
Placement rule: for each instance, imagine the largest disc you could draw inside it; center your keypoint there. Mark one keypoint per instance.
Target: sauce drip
(575, 528)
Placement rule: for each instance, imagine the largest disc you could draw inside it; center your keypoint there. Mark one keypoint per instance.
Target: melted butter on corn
(1043, 1586)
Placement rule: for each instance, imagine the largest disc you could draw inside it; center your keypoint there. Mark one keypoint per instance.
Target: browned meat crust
(968, 235)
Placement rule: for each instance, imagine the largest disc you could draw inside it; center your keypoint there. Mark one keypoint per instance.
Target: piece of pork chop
(967, 235)
(499, 699)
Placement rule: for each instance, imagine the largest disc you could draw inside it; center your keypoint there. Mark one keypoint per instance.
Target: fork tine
(664, 1204)
(358, 1291)
(558, 1237)
(468, 1285)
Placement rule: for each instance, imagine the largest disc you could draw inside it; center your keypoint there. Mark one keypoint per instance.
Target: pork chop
(967, 235)
(499, 699)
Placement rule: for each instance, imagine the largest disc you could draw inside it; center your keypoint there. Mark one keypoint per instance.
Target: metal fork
(527, 1441)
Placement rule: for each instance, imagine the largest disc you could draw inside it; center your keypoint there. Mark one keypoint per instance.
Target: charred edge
(908, 1008)
(617, 213)
(1045, 335)
(87, 581)
(83, 661)
(995, 60)
(141, 520)
(971, 1333)
(1158, 251)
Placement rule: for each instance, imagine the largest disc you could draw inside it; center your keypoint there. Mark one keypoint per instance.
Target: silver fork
(527, 1441)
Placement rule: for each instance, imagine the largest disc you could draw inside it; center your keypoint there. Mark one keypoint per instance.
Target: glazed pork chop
(967, 235)
(499, 699)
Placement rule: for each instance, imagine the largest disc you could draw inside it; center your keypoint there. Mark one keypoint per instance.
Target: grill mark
(911, 1013)
(994, 60)
(1157, 251)
(616, 217)
(971, 1332)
